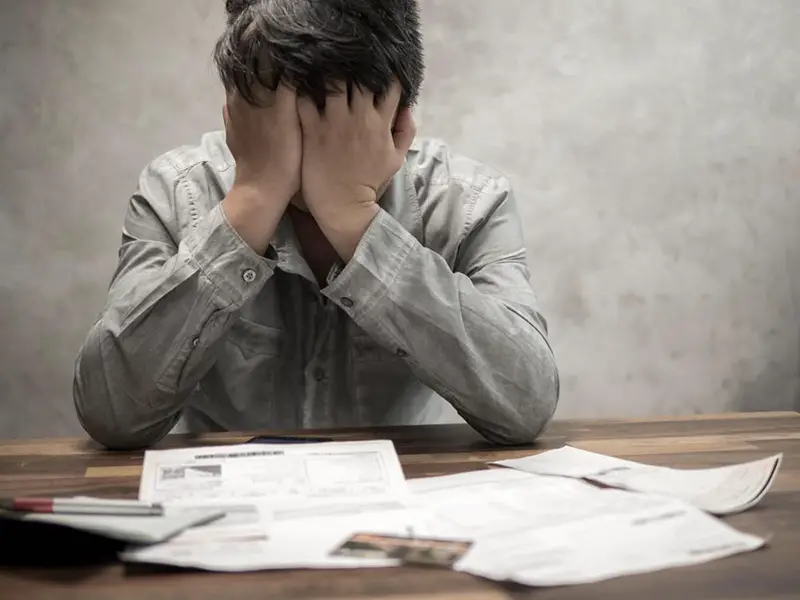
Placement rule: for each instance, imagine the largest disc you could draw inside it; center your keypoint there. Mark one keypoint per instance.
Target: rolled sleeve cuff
(228, 262)
(378, 259)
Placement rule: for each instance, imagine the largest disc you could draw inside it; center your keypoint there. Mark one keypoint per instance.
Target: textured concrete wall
(655, 147)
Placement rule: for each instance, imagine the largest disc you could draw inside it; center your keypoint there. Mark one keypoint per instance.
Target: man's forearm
(492, 365)
(486, 354)
(158, 335)
(133, 375)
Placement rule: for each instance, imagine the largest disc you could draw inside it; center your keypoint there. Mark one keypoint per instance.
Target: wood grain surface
(76, 466)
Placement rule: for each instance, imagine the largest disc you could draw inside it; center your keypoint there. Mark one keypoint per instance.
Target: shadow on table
(35, 544)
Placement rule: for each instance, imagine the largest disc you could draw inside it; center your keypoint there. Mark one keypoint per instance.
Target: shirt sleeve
(168, 305)
(474, 333)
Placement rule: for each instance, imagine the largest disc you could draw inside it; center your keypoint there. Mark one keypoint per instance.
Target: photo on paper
(191, 472)
(188, 477)
(419, 551)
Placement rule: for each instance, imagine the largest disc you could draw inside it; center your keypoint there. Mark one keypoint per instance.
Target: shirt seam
(477, 192)
(182, 180)
(411, 190)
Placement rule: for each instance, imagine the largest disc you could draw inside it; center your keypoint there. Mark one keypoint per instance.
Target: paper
(238, 521)
(720, 491)
(291, 543)
(594, 550)
(492, 502)
(540, 530)
(568, 462)
(308, 499)
(280, 474)
(133, 529)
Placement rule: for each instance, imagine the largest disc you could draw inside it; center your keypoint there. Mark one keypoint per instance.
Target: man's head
(316, 46)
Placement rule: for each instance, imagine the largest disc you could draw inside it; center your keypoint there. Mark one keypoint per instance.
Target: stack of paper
(335, 505)
(293, 503)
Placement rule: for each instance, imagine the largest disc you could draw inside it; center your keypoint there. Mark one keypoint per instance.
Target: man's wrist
(344, 228)
(254, 214)
(259, 194)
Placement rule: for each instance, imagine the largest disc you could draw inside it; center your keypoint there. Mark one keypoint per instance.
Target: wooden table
(73, 466)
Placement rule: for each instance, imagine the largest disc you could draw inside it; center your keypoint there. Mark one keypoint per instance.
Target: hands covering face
(338, 156)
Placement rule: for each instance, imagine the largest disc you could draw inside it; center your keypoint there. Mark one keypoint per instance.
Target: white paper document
(720, 490)
(542, 531)
(295, 503)
(281, 474)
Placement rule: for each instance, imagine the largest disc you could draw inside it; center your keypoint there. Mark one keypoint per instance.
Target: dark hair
(316, 46)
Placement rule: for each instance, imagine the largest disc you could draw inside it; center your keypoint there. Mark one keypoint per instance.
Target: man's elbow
(108, 431)
(111, 436)
(535, 405)
(109, 423)
(543, 401)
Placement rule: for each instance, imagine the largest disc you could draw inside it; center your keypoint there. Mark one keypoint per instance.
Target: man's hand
(266, 143)
(350, 152)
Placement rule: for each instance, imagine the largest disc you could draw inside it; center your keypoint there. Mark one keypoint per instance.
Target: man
(313, 266)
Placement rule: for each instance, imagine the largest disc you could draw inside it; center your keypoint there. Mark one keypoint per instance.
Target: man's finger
(389, 103)
(405, 130)
(362, 100)
(307, 109)
(336, 107)
(285, 99)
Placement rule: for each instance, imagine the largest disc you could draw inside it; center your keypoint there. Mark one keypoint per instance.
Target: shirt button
(319, 373)
(401, 353)
(249, 276)
(347, 302)
(195, 342)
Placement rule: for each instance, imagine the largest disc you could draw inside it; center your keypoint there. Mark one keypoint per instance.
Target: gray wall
(655, 147)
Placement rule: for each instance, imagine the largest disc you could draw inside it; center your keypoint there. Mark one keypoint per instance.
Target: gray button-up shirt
(435, 304)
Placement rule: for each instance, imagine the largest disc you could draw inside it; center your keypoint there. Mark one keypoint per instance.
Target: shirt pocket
(248, 367)
(254, 339)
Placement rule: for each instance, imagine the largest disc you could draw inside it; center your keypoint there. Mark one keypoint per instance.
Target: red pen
(82, 506)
